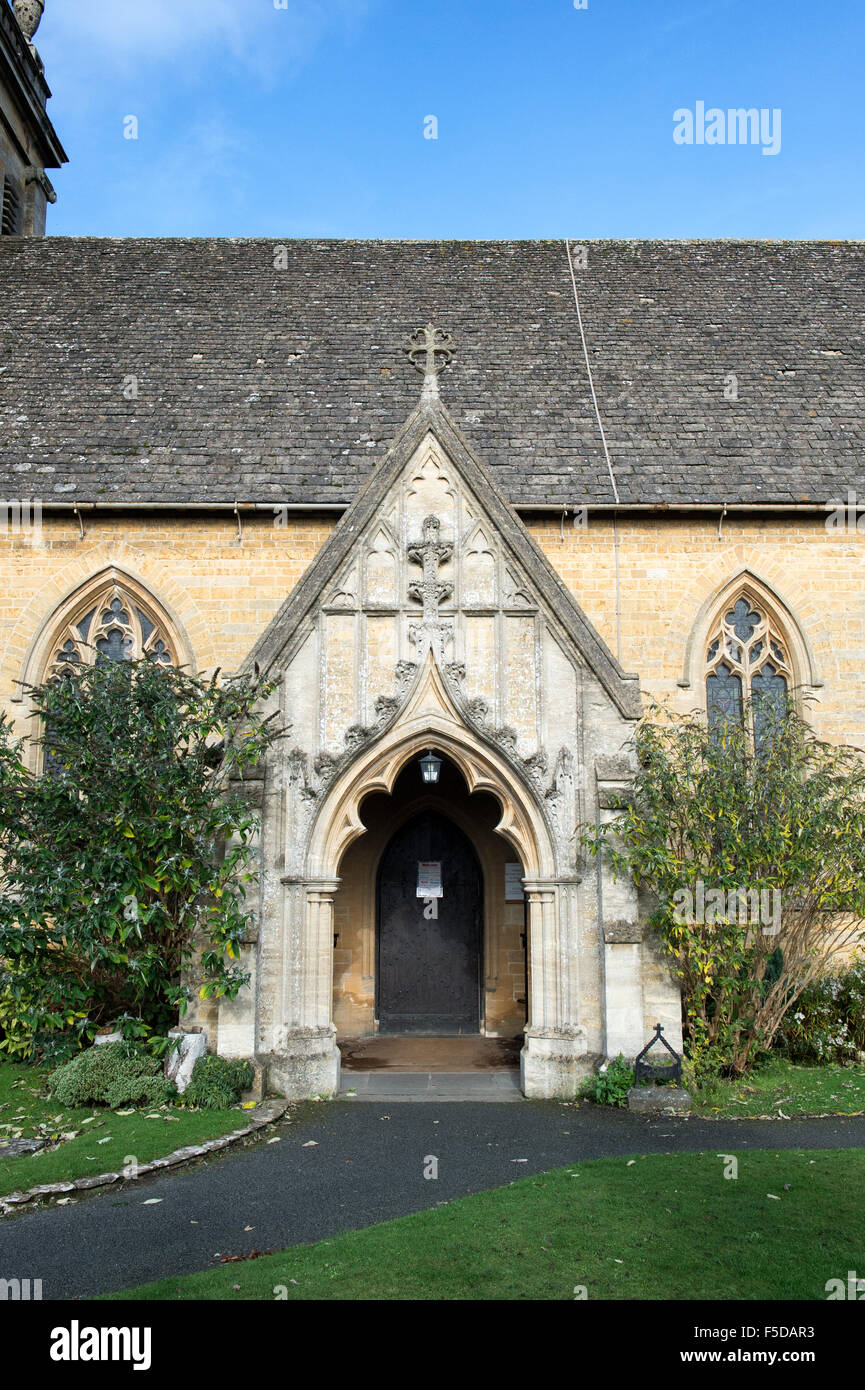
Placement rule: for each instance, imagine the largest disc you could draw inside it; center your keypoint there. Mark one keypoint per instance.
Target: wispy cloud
(188, 32)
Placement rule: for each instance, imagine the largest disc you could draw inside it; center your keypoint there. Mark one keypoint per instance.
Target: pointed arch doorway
(429, 967)
(446, 964)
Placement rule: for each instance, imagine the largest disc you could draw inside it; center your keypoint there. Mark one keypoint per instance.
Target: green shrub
(828, 1022)
(114, 1074)
(611, 1085)
(217, 1083)
(751, 852)
(16, 1035)
(136, 845)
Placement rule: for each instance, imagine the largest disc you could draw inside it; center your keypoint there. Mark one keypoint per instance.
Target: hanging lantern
(430, 766)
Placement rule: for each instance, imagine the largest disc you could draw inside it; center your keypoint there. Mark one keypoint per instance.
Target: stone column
(621, 928)
(623, 989)
(305, 1061)
(232, 1032)
(553, 1059)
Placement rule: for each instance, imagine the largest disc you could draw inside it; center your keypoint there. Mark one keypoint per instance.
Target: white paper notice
(514, 883)
(429, 878)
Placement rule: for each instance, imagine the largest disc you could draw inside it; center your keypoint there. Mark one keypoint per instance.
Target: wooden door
(428, 967)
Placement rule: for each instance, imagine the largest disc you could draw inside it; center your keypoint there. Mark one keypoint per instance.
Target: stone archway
(359, 1011)
(429, 715)
(430, 718)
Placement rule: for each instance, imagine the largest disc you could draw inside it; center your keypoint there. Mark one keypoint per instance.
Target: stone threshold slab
(431, 1086)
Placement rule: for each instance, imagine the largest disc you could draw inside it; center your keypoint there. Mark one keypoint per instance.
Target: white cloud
(129, 32)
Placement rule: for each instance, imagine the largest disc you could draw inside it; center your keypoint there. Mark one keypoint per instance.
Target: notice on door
(514, 883)
(429, 878)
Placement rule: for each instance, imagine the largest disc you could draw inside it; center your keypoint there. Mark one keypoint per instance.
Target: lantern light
(429, 767)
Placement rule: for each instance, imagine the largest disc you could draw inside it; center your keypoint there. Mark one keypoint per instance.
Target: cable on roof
(606, 452)
(589, 371)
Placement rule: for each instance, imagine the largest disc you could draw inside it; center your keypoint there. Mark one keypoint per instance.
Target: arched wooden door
(428, 960)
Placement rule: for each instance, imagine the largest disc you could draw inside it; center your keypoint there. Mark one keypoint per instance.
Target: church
(471, 506)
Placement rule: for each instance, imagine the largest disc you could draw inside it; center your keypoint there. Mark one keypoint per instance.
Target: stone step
(431, 1086)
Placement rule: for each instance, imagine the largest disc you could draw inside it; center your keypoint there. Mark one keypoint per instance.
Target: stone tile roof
(266, 385)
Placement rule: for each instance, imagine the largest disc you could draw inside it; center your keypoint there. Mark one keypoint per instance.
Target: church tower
(28, 141)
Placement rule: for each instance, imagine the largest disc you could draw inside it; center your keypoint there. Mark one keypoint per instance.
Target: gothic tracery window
(748, 669)
(117, 628)
(111, 621)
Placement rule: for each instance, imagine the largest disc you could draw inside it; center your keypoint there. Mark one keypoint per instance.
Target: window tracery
(748, 668)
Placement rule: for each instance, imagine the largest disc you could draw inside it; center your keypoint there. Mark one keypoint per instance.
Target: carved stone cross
(430, 553)
(430, 350)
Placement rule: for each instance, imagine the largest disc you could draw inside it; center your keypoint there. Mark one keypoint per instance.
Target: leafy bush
(612, 1084)
(776, 832)
(16, 1035)
(217, 1083)
(114, 1074)
(124, 864)
(828, 1022)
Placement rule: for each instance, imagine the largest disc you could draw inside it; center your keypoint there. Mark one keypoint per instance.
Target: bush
(16, 1035)
(611, 1086)
(752, 852)
(828, 1024)
(114, 1074)
(217, 1083)
(124, 866)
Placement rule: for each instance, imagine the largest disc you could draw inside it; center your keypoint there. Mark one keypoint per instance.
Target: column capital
(535, 887)
(326, 887)
(321, 890)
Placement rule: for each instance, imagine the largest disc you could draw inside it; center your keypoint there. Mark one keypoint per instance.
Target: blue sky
(552, 121)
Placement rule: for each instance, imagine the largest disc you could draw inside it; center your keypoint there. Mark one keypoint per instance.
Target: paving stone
(14, 1148)
(431, 1086)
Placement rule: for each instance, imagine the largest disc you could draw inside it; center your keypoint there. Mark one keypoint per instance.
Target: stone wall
(220, 593)
(669, 568)
(28, 142)
(224, 594)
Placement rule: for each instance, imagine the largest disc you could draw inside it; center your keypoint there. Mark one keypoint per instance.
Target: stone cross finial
(429, 351)
(28, 14)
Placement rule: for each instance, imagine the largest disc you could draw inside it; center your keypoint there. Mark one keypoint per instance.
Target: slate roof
(286, 386)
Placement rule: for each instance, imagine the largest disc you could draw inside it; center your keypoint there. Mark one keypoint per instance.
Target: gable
(430, 558)
(430, 613)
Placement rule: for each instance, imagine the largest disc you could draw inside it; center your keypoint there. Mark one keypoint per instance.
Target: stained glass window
(115, 629)
(745, 654)
(724, 695)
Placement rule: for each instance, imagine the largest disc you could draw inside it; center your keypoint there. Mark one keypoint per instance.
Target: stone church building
(474, 500)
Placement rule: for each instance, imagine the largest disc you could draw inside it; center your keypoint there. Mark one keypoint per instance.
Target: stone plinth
(659, 1100)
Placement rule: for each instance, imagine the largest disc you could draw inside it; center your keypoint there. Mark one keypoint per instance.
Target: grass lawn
(103, 1139)
(787, 1088)
(655, 1227)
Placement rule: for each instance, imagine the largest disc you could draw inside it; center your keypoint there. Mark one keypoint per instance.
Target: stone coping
(271, 1111)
